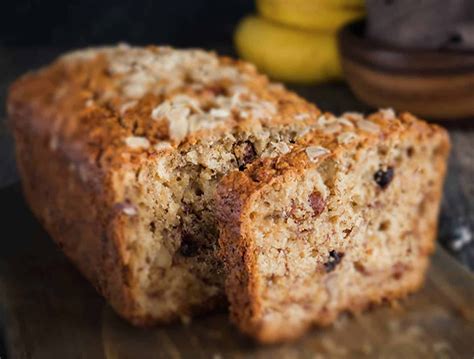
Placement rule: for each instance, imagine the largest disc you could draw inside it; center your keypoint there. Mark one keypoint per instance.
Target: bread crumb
(163, 258)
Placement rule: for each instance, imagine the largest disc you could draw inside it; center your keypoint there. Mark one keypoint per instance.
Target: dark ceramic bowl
(436, 84)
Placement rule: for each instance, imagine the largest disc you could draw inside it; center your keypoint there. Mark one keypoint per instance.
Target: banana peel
(286, 53)
(327, 15)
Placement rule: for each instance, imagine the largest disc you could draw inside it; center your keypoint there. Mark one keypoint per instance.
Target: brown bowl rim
(357, 47)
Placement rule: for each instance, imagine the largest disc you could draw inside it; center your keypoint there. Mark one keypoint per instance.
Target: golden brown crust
(75, 213)
(87, 98)
(88, 121)
(238, 190)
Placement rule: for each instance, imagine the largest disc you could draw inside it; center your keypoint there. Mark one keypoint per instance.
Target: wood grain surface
(50, 311)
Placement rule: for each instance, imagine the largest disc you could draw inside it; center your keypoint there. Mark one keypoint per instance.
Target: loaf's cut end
(346, 221)
(119, 151)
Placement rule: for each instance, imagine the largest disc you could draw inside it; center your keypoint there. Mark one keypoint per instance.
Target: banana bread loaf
(120, 150)
(346, 219)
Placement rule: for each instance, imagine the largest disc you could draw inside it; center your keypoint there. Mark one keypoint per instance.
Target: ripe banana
(328, 15)
(286, 53)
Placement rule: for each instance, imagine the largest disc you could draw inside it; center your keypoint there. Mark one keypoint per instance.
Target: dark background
(85, 22)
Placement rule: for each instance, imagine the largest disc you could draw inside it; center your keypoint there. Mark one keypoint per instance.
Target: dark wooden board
(52, 312)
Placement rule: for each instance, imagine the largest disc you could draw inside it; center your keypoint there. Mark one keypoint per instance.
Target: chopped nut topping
(136, 142)
(277, 87)
(304, 132)
(353, 115)
(302, 116)
(368, 126)
(219, 112)
(345, 122)
(161, 110)
(163, 145)
(139, 71)
(187, 101)
(129, 209)
(326, 119)
(387, 113)
(256, 109)
(346, 137)
(127, 106)
(282, 147)
(315, 152)
(332, 128)
(178, 123)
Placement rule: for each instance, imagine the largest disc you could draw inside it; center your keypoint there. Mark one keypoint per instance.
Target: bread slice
(120, 150)
(347, 219)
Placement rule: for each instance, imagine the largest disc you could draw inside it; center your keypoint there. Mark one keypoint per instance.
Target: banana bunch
(295, 40)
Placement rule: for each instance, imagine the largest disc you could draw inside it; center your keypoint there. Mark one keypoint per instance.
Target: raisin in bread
(120, 150)
(346, 219)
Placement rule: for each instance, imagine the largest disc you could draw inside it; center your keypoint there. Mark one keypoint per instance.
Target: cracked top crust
(327, 136)
(122, 103)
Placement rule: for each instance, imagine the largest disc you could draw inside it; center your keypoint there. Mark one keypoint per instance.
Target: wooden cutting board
(50, 311)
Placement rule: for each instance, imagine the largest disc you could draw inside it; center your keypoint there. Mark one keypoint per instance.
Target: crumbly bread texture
(347, 219)
(120, 150)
